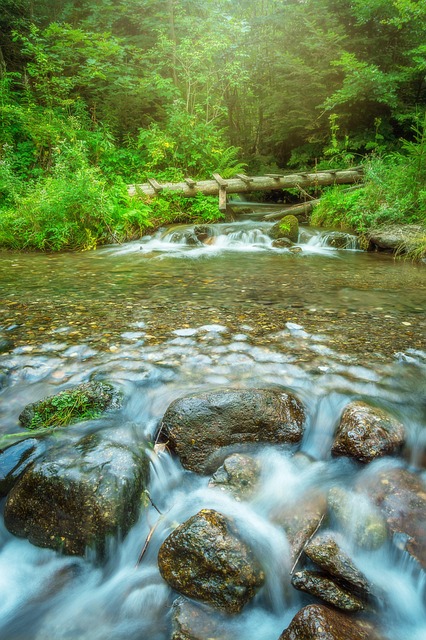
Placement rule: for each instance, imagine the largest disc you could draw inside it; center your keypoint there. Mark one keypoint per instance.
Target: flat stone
(321, 586)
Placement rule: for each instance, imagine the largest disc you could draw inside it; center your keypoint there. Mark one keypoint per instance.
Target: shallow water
(171, 319)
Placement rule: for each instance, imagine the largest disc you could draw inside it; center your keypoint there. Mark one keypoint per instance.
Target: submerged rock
(202, 232)
(366, 433)
(401, 497)
(199, 425)
(359, 519)
(325, 550)
(204, 559)
(84, 402)
(194, 621)
(287, 227)
(15, 459)
(78, 495)
(238, 476)
(321, 586)
(282, 243)
(317, 622)
(341, 240)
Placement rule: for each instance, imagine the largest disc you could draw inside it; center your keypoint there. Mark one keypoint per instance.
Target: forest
(98, 94)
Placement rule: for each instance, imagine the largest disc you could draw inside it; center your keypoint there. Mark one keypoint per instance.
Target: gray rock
(366, 433)
(79, 495)
(341, 240)
(326, 551)
(199, 425)
(321, 586)
(194, 621)
(204, 559)
(238, 476)
(15, 459)
(317, 622)
(393, 237)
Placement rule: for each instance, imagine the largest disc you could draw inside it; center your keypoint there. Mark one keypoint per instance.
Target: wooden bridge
(244, 184)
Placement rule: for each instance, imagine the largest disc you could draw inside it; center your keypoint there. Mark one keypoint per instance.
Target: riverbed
(161, 318)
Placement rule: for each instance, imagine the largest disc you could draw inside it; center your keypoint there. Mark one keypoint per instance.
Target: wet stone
(199, 425)
(326, 551)
(317, 622)
(238, 476)
(282, 243)
(79, 495)
(366, 433)
(15, 459)
(321, 586)
(194, 621)
(204, 559)
(401, 497)
(359, 519)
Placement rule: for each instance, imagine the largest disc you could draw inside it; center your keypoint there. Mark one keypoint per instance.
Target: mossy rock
(287, 227)
(85, 402)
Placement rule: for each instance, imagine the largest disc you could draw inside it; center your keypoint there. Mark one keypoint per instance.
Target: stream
(161, 318)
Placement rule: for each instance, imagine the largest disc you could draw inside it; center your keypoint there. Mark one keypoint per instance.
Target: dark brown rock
(321, 586)
(316, 622)
(204, 559)
(401, 497)
(325, 550)
(199, 425)
(78, 495)
(238, 476)
(194, 621)
(366, 433)
(282, 243)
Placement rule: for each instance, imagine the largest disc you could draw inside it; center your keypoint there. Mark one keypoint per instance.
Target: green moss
(85, 402)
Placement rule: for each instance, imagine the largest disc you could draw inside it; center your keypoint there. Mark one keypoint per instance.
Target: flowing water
(162, 318)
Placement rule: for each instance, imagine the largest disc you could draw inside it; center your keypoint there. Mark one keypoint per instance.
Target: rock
(238, 476)
(287, 227)
(202, 232)
(194, 621)
(316, 622)
(295, 249)
(301, 519)
(341, 240)
(360, 520)
(393, 237)
(84, 402)
(321, 586)
(185, 237)
(199, 425)
(78, 495)
(15, 459)
(204, 559)
(282, 243)
(401, 497)
(6, 345)
(366, 433)
(326, 551)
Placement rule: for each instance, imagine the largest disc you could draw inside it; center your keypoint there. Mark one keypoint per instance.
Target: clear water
(171, 319)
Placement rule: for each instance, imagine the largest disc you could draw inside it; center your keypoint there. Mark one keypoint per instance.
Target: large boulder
(394, 237)
(84, 402)
(199, 425)
(316, 622)
(238, 476)
(401, 497)
(79, 495)
(326, 551)
(15, 459)
(205, 559)
(366, 433)
(287, 227)
(323, 587)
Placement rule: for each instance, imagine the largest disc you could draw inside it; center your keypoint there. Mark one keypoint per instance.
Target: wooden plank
(191, 183)
(155, 185)
(222, 199)
(220, 181)
(244, 178)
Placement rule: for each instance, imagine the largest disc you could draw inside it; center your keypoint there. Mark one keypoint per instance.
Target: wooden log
(191, 183)
(220, 181)
(244, 178)
(222, 199)
(260, 183)
(296, 210)
(155, 185)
